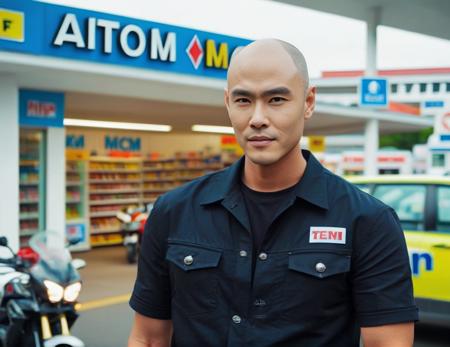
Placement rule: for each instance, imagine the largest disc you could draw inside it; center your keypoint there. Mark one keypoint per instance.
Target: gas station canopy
(428, 17)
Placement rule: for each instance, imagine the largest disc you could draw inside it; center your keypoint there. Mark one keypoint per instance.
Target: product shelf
(100, 214)
(114, 202)
(116, 181)
(113, 191)
(105, 231)
(28, 216)
(30, 201)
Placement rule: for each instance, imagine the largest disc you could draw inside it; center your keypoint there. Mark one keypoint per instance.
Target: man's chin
(263, 159)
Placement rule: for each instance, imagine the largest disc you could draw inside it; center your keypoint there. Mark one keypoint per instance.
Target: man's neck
(278, 176)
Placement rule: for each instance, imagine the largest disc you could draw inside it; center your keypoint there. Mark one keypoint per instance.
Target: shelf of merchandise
(76, 203)
(162, 175)
(114, 183)
(31, 183)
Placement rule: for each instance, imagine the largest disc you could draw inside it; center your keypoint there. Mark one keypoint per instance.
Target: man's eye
(242, 101)
(277, 99)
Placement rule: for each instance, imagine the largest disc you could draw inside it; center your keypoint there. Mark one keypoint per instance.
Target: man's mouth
(260, 141)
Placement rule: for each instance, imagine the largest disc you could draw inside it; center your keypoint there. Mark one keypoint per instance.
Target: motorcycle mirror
(78, 263)
(3, 241)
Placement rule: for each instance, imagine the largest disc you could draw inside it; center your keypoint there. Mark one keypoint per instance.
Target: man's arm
(150, 332)
(392, 335)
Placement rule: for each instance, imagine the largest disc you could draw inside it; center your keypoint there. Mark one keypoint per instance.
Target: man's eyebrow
(274, 91)
(241, 92)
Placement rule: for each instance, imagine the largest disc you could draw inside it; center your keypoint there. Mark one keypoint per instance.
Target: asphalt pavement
(106, 319)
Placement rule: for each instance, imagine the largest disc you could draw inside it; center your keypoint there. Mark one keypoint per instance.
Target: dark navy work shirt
(334, 260)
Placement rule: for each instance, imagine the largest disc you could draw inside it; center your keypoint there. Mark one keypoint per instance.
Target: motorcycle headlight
(55, 292)
(71, 292)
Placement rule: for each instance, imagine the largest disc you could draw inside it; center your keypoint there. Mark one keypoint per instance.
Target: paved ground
(105, 319)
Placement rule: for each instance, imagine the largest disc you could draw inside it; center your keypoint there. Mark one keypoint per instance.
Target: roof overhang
(428, 17)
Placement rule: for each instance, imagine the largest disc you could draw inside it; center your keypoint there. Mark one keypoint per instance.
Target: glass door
(32, 182)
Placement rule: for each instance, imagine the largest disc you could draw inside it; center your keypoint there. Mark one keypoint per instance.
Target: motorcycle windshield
(54, 258)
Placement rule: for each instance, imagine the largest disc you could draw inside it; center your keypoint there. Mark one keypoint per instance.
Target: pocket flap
(320, 264)
(191, 257)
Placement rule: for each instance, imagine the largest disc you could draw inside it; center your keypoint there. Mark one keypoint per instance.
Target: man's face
(267, 102)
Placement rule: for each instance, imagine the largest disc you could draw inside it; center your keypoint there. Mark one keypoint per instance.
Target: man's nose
(259, 118)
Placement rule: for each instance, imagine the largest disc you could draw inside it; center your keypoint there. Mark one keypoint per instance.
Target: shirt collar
(312, 187)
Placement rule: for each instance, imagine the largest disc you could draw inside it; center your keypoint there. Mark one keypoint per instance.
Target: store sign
(59, 31)
(76, 233)
(373, 92)
(11, 25)
(316, 143)
(41, 109)
(128, 144)
(75, 141)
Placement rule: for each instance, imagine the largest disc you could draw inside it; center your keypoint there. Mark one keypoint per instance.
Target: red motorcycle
(133, 220)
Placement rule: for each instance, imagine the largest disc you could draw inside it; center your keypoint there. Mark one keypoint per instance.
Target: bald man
(275, 250)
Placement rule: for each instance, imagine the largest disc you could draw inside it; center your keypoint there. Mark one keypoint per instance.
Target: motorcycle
(133, 221)
(39, 287)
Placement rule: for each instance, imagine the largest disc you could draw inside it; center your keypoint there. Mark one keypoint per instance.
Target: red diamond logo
(195, 52)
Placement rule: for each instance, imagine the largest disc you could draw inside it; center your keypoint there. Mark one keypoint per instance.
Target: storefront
(61, 67)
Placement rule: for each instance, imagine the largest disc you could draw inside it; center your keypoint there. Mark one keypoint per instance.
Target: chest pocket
(194, 277)
(316, 282)
(320, 264)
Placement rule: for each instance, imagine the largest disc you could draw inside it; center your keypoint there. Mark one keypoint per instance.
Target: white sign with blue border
(373, 92)
(41, 109)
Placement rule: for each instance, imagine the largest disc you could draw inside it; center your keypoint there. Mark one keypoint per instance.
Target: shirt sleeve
(381, 275)
(151, 295)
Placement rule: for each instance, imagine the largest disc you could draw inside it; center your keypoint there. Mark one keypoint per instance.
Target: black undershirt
(262, 209)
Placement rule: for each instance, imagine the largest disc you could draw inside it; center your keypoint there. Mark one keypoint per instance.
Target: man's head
(268, 99)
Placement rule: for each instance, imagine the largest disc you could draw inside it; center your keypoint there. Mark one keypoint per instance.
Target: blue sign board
(373, 92)
(45, 29)
(41, 109)
(433, 104)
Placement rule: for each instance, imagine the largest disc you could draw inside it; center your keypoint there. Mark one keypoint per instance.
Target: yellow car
(423, 207)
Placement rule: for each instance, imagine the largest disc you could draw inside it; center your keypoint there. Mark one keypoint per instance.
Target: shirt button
(259, 302)
(243, 253)
(320, 267)
(188, 260)
(262, 256)
(236, 319)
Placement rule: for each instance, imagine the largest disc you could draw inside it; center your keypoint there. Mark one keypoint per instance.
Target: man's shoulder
(192, 192)
(344, 194)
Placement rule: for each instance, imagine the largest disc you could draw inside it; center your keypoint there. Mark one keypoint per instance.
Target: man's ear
(310, 102)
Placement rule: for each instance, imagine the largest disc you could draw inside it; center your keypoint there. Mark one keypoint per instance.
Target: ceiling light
(212, 129)
(116, 125)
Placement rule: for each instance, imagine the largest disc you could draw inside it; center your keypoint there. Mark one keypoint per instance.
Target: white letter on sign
(74, 36)
(131, 28)
(166, 51)
(91, 33)
(108, 26)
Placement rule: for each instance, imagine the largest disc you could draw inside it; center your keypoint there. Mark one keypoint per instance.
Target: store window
(388, 171)
(447, 86)
(443, 209)
(436, 87)
(409, 87)
(407, 200)
(394, 88)
(438, 160)
(423, 87)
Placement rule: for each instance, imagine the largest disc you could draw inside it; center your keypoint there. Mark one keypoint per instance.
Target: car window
(443, 209)
(407, 200)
